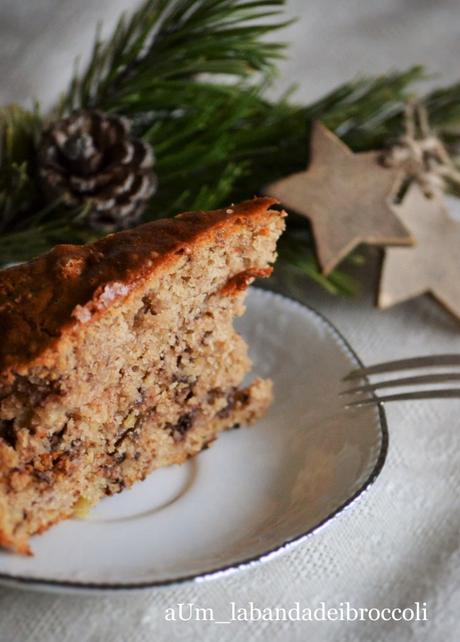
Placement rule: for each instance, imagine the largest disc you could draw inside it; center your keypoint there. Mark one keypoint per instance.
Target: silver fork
(368, 389)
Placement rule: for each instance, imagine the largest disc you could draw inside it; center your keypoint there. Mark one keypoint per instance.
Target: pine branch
(243, 141)
(19, 130)
(168, 40)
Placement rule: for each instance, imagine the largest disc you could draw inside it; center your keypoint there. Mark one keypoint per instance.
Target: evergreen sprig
(175, 41)
(167, 67)
(19, 133)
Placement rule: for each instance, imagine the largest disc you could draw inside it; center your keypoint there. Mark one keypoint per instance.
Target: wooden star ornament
(433, 265)
(346, 197)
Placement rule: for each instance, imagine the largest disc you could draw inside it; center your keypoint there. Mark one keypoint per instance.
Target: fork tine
(404, 381)
(449, 393)
(405, 364)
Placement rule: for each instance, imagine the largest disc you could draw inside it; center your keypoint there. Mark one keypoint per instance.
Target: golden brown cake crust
(41, 300)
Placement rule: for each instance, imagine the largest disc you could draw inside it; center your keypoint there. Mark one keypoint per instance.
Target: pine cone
(90, 159)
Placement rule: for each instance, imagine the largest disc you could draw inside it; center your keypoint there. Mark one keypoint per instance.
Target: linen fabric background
(400, 543)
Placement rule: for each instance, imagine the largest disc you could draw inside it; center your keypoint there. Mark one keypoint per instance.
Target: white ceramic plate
(256, 492)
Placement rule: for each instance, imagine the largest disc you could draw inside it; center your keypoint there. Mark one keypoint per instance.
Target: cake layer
(48, 299)
(114, 378)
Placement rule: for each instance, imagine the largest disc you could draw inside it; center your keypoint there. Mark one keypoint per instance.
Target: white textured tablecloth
(400, 544)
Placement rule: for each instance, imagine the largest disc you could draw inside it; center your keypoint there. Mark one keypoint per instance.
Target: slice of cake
(120, 356)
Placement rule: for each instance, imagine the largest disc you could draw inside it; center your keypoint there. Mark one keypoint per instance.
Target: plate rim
(37, 583)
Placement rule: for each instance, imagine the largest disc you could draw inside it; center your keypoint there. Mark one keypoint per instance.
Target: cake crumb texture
(120, 356)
